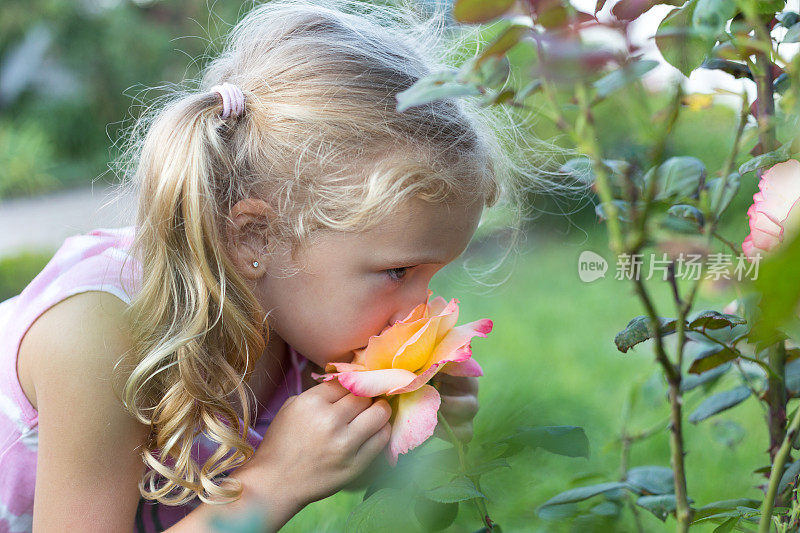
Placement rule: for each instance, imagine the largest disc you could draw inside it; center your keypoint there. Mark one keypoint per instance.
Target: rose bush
(774, 214)
(398, 364)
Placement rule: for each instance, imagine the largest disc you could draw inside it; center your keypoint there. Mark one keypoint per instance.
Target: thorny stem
(776, 397)
(683, 512)
(462, 460)
(776, 473)
(626, 441)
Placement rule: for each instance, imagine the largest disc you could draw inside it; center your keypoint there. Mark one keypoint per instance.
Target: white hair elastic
(232, 99)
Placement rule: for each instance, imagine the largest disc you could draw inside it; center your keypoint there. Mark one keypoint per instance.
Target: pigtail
(196, 325)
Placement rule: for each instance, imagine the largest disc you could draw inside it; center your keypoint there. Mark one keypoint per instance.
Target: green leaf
(434, 516)
(728, 525)
(719, 402)
(692, 381)
(458, 490)
(711, 358)
(789, 476)
(639, 330)
(480, 469)
(715, 320)
(679, 43)
(479, 11)
(710, 17)
(661, 505)
(583, 493)
(436, 86)
(679, 177)
(489, 71)
(623, 210)
(650, 480)
(767, 160)
(721, 199)
(792, 370)
(607, 509)
(507, 39)
(624, 76)
(792, 35)
(727, 432)
(687, 212)
(724, 505)
(386, 510)
(570, 441)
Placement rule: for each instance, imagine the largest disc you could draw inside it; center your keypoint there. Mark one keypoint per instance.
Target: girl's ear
(247, 236)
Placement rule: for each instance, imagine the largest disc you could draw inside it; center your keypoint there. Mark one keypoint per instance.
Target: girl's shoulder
(79, 338)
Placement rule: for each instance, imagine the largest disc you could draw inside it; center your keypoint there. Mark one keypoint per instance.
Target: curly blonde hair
(322, 142)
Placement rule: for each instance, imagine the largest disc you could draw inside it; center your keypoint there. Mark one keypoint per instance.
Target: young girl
(287, 212)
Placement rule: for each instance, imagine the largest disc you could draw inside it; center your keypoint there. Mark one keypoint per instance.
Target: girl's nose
(415, 297)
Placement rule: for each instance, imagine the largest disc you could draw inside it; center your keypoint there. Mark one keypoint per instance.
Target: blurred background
(73, 75)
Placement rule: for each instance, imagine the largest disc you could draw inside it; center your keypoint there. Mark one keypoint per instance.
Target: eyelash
(404, 269)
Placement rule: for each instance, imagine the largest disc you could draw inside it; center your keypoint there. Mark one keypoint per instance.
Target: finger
(374, 445)
(456, 384)
(459, 407)
(367, 422)
(350, 406)
(463, 432)
(330, 391)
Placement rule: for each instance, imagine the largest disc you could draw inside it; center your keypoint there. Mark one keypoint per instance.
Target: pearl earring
(255, 264)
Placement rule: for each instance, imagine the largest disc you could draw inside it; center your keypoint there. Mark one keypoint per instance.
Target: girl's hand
(459, 404)
(318, 442)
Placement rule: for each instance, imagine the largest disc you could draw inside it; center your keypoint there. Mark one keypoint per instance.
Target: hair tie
(232, 99)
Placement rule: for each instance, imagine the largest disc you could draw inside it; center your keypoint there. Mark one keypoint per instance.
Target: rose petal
(436, 306)
(458, 337)
(468, 368)
(382, 348)
(414, 421)
(371, 383)
(416, 351)
(449, 318)
(462, 354)
(780, 187)
(344, 367)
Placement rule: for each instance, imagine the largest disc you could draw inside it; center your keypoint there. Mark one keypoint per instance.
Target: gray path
(43, 222)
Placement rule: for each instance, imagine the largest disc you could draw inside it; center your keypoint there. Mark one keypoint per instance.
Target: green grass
(551, 360)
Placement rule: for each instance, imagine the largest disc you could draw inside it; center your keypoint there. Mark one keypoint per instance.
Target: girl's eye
(396, 274)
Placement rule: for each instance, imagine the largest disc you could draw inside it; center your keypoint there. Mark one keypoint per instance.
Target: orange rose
(400, 361)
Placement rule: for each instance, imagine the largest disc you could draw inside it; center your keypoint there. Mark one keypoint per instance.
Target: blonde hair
(320, 139)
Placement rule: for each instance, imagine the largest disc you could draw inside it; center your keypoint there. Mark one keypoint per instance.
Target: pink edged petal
(747, 245)
(780, 186)
(449, 319)
(462, 354)
(458, 337)
(436, 306)
(344, 367)
(414, 421)
(371, 383)
(764, 241)
(761, 222)
(466, 368)
(323, 377)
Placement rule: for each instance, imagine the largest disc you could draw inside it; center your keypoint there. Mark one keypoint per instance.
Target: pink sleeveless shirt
(96, 261)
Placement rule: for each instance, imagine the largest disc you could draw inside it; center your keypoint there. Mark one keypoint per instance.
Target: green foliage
(640, 329)
(113, 51)
(18, 270)
(719, 402)
(26, 159)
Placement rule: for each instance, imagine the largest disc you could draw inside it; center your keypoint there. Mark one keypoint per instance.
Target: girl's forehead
(419, 233)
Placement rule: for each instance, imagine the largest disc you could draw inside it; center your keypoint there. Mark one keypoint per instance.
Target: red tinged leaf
(480, 11)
